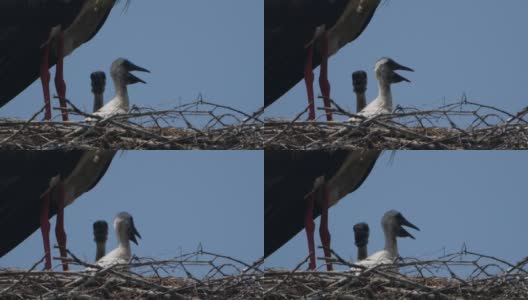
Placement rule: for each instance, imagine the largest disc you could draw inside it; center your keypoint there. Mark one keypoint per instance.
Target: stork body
(37, 34)
(125, 232)
(300, 35)
(301, 185)
(36, 185)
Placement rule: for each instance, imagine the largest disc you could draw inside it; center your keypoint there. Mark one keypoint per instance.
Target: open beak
(397, 77)
(133, 233)
(403, 232)
(131, 77)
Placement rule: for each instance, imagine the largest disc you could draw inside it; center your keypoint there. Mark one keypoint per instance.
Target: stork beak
(397, 77)
(404, 233)
(131, 77)
(133, 233)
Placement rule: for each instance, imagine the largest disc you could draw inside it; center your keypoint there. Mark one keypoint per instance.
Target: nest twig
(197, 275)
(206, 125)
(205, 275)
(196, 125)
(462, 275)
(460, 125)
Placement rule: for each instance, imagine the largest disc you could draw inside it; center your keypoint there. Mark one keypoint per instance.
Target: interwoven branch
(206, 125)
(197, 275)
(462, 275)
(460, 125)
(196, 125)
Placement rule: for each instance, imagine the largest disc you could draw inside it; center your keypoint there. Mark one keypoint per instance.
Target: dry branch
(461, 125)
(196, 125)
(204, 275)
(206, 125)
(463, 275)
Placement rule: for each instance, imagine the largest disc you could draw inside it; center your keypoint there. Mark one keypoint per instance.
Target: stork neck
(385, 94)
(362, 253)
(98, 101)
(121, 89)
(100, 250)
(391, 245)
(361, 101)
(121, 93)
(123, 242)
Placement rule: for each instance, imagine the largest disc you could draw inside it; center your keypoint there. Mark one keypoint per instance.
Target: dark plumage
(289, 26)
(25, 27)
(289, 176)
(25, 176)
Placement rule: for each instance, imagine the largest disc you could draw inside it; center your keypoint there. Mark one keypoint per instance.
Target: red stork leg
(45, 79)
(45, 228)
(309, 226)
(60, 85)
(59, 227)
(308, 80)
(324, 84)
(324, 233)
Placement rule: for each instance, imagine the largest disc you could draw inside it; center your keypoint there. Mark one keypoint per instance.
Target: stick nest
(461, 125)
(202, 275)
(196, 125)
(463, 275)
(205, 125)
(205, 275)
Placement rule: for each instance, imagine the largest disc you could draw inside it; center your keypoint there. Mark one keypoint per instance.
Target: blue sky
(192, 47)
(455, 197)
(455, 47)
(179, 200)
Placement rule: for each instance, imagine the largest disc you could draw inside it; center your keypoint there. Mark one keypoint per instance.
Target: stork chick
(125, 232)
(121, 76)
(98, 79)
(359, 82)
(100, 232)
(385, 74)
(391, 223)
(361, 236)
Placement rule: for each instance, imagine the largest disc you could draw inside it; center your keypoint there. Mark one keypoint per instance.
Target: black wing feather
(288, 26)
(25, 176)
(288, 177)
(24, 28)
